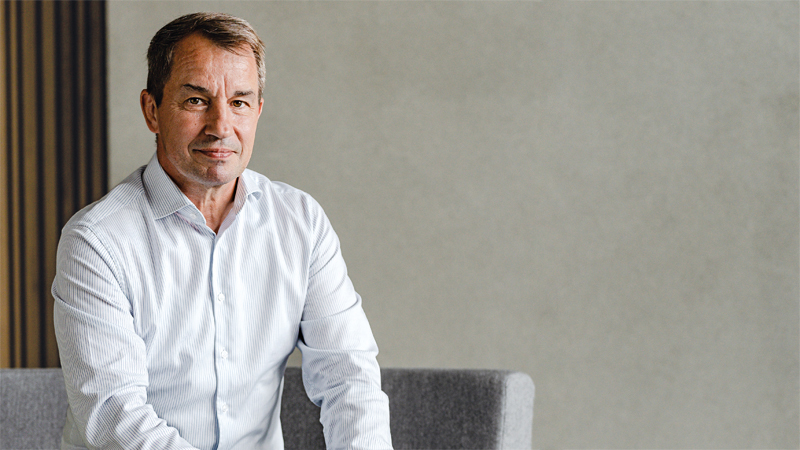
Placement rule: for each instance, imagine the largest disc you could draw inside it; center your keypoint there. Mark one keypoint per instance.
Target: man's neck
(214, 203)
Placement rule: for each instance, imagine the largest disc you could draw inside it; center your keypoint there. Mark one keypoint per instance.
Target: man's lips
(216, 153)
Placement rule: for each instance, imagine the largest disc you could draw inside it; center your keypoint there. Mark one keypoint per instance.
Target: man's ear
(150, 110)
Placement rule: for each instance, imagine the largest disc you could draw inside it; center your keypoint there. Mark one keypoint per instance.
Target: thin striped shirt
(172, 336)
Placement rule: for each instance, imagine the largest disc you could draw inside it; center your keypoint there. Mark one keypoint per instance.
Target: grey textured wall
(601, 194)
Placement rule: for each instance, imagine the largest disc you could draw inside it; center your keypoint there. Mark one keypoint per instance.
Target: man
(181, 293)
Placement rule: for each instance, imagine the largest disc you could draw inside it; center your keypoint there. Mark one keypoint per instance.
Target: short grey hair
(223, 30)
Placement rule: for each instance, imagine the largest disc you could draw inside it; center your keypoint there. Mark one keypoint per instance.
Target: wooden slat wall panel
(30, 301)
(98, 113)
(78, 35)
(5, 317)
(54, 139)
(48, 169)
(15, 184)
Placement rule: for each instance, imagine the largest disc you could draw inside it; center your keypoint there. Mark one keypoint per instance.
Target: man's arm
(103, 359)
(340, 372)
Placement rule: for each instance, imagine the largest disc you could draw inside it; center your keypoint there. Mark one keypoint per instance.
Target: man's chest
(190, 289)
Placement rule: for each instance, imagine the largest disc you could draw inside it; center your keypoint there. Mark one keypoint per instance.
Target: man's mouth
(216, 153)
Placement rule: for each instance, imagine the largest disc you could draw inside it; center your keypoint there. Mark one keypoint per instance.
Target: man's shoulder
(125, 198)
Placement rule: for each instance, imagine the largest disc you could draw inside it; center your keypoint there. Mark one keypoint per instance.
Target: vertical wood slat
(66, 126)
(48, 168)
(14, 188)
(97, 98)
(5, 286)
(80, 143)
(53, 113)
(29, 226)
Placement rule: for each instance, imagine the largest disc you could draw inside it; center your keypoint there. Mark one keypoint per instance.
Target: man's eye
(238, 103)
(194, 101)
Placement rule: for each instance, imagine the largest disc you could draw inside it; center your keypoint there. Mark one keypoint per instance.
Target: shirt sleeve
(340, 372)
(103, 359)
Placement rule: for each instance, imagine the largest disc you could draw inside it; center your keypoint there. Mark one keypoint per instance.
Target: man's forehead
(197, 46)
(196, 58)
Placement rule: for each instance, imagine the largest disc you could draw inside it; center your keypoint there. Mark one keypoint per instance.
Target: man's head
(225, 31)
(203, 100)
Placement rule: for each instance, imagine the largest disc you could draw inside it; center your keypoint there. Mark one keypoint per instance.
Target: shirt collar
(166, 198)
(164, 195)
(245, 188)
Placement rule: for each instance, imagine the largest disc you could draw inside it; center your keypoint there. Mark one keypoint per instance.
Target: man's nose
(219, 120)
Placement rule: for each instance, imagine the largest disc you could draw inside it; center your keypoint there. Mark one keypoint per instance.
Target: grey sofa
(430, 409)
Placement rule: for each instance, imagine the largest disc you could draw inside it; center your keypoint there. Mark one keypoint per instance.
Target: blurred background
(603, 195)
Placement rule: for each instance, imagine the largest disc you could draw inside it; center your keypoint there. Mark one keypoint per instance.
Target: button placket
(221, 299)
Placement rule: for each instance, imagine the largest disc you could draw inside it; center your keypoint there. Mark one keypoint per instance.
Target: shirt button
(221, 297)
(223, 354)
(223, 407)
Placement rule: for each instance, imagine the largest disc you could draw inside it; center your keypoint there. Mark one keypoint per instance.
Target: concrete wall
(601, 194)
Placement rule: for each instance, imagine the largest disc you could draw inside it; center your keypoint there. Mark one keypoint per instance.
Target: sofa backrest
(430, 409)
(33, 407)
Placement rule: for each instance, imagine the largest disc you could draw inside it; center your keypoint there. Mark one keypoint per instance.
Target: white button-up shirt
(173, 336)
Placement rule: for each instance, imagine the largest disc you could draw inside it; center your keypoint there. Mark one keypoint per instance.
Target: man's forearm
(342, 376)
(107, 405)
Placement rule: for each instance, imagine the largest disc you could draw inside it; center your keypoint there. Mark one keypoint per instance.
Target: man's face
(206, 123)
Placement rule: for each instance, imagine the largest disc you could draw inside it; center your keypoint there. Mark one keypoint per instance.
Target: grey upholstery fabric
(448, 409)
(33, 408)
(430, 409)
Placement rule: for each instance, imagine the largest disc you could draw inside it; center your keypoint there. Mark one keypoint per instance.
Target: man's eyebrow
(205, 91)
(199, 89)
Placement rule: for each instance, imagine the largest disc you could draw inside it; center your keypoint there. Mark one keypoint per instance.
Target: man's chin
(218, 178)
